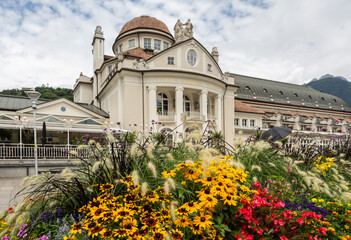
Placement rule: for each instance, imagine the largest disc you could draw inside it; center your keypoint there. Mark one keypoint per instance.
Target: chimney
(214, 53)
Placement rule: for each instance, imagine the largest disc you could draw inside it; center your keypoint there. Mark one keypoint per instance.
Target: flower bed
(145, 189)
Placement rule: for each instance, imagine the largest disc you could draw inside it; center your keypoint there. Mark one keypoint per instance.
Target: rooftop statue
(183, 31)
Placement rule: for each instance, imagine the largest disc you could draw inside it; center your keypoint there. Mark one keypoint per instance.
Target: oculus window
(191, 57)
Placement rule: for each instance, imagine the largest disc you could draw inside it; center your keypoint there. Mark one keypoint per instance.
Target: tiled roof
(144, 22)
(94, 109)
(13, 103)
(138, 53)
(263, 90)
(242, 107)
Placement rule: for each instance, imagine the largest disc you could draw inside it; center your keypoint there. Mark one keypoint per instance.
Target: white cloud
(295, 41)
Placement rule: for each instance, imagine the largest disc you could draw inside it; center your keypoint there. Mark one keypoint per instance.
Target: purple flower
(118, 123)
(43, 238)
(78, 142)
(5, 238)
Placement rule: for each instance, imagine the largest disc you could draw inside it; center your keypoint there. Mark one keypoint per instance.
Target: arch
(162, 102)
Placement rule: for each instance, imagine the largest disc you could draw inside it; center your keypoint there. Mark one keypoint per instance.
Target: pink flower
(323, 230)
(283, 238)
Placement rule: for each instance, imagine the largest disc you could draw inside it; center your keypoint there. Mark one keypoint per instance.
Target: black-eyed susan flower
(203, 221)
(119, 233)
(208, 202)
(196, 229)
(168, 174)
(130, 225)
(191, 174)
(106, 187)
(176, 234)
(76, 228)
(150, 221)
(159, 235)
(182, 221)
(106, 233)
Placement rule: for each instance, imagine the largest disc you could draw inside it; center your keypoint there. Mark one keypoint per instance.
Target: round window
(63, 109)
(192, 57)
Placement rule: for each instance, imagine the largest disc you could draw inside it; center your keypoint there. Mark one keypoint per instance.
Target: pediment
(183, 61)
(62, 107)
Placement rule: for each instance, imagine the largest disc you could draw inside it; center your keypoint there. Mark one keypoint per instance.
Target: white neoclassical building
(155, 77)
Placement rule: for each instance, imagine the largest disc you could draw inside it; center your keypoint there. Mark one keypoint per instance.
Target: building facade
(157, 76)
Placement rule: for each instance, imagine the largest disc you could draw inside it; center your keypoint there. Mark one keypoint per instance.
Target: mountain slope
(337, 86)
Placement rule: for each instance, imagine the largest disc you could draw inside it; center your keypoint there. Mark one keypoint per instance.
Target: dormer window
(131, 43)
(247, 88)
(295, 94)
(281, 93)
(165, 45)
(157, 44)
(265, 90)
(147, 43)
(323, 98)
(209, 67)
(334, 100)
(309, 96)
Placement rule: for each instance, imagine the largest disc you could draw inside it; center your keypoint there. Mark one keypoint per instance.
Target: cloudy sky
(49, 41)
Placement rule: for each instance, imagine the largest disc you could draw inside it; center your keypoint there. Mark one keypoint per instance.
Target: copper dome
(145, 22)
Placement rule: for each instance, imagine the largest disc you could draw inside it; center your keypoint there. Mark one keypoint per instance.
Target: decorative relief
(140, 64)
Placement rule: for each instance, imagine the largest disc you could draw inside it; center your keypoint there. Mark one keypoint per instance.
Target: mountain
(335, 85)
(46, 92)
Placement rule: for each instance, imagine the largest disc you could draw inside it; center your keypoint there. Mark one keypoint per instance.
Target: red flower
(300, 221)
(323, 230)
(283, 238)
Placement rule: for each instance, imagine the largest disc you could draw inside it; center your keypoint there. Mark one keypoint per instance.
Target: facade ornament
(140, 64)
(183, 31)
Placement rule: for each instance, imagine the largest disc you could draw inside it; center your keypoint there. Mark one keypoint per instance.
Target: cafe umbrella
(276, 134)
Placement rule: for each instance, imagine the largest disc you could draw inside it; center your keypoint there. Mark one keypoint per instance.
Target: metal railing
(26, 151)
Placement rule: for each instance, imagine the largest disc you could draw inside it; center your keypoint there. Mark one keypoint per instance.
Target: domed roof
(145, 22)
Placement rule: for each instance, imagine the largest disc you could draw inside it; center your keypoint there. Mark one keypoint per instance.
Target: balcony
(166, 116)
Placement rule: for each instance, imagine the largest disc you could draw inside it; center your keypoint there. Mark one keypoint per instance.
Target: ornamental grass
(129, 187)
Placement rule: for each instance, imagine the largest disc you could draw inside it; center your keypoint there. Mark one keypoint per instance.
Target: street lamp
(34, 96)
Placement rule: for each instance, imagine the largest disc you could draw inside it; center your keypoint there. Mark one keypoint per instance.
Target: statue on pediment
(183, 31)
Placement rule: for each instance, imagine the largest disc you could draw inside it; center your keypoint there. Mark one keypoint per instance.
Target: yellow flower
(168, 174)
(314, 200)
(182, 222)
(183, 183)
(203, 221)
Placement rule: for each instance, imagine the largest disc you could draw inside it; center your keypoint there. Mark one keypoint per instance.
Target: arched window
(187, 105)
(162, 104)
(247, 88)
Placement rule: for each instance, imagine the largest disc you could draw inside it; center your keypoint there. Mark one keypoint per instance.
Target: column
(119, 103)
(218, 113)
(152, 104)
(179, 111)
(203, 108)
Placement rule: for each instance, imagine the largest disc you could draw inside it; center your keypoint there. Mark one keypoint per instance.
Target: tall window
(109, 68)
(236, 121)
(252, 123)
(162, 104)
(120, 48)
(244, 122)
(165, 45)
(131, 43)
(147, 43)
(186, 106)
(157, 44)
